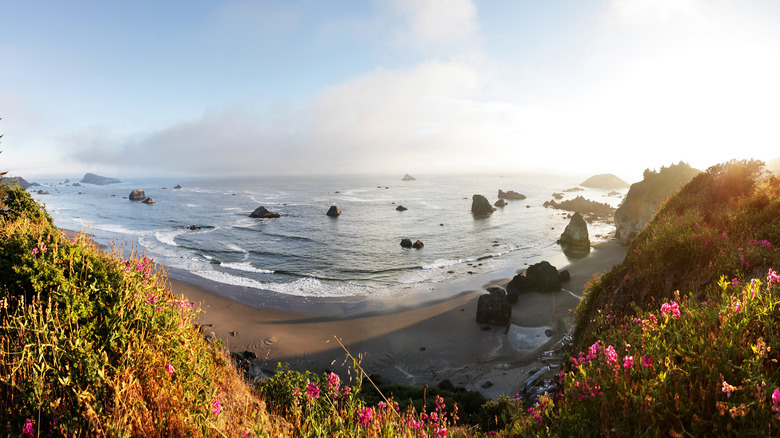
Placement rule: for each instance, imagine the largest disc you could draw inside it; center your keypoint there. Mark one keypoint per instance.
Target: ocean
(203, 229)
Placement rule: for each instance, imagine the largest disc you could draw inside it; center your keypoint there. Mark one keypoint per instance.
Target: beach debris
(137, 195)
(511, 195)
(480, 206)
(333, 211)
(494, 307)
(263, 213)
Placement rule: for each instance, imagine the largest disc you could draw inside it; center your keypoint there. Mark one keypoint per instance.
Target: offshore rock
(401, 208)
(408, 177)
(91, 178)
(263, 213)
(148, 201)
(511, 195)
(574, 239)
(500, 203)
(406, 243)
(333, 211)
(480, 206)
(137, 195)
(417, 245)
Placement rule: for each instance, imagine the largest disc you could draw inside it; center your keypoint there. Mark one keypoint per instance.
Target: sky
(240, 87)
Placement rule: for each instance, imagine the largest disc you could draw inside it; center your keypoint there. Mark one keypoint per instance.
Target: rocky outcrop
(417, 244)
(178, 186)
(645, 197)
(590, 210)
(500, 203)
(480, 206)
(406, 243)
(511, 195)
(494, 308)
(262, 213)
(401, 208)
(333, 211)
(574, 240)
(408, 177)
(137, 195)
(148, 201)
(604, 181)
(91, 178)
(541, 277)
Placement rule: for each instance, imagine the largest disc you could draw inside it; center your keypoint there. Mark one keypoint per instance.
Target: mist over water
(305, 252)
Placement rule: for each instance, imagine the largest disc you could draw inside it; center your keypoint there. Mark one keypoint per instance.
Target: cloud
(435, 23)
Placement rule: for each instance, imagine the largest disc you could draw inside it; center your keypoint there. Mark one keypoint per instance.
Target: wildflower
(313, 391)
(776, 397)
(35, 251)
(297, 392)
(728, 389)
(612, 357)
(735, 282)
(364, 416)
(772, 277)
(43, 248)
(333, 382)
(628, 362)
(152, 299)
(441, 432)
(723, 235)
(139, 267)
(345, 391)
(647, 361)
(673, 309)
(217, 405)
(169, 368)
(593, 350)
(27, 429)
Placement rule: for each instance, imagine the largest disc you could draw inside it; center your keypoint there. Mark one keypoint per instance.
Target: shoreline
(410, 340)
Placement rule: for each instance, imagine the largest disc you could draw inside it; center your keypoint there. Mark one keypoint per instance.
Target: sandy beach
(419, 342)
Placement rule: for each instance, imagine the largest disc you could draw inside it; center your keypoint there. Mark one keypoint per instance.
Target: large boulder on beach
(511, 195)
(333, 211)
(263, 213)
(137, 195)
(480, 206)
(91, 178)
(574, 240)
(540, 277)
(494, 308)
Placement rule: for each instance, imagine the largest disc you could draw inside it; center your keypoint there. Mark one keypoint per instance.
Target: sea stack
(480, 206)
(574, 240)
(263, 213)
(333, 211)
(137, 195)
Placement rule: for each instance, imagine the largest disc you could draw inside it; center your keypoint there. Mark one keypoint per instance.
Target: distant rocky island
(604, 181)
(91, 178)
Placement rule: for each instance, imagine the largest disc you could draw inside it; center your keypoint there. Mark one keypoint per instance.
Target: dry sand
(422, 343)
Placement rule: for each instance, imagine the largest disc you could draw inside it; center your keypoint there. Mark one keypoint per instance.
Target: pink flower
(27, 429)
(647, 361)
(364, 416)
(593, 350)
(441, 432)
(169, 368)
(139, 267)
(723, 235)
(313, 391)
(612, 357)
(381, 405)
(776, 397)
(628, 362)
(673, 309)
(35, 251)
(735, 282)
(217, 406)
(772, 277)
(44, 248)
(333, 382)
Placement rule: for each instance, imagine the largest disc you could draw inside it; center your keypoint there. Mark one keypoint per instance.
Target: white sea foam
(246, 267)
(168, 237)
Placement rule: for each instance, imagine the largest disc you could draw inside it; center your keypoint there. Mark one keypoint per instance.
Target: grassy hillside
(683, 337)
